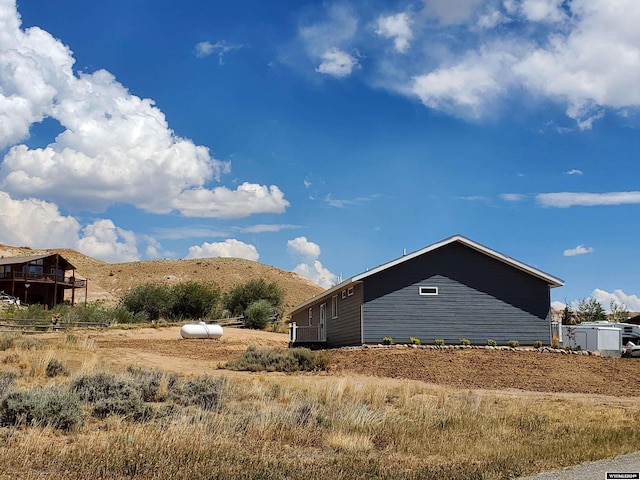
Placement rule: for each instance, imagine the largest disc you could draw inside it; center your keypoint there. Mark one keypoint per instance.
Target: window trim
(428, 291)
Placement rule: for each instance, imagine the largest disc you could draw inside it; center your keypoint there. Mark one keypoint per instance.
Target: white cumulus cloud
(396, 27)
(303, 247)
(310, 267)
(579, 250)
(317, 273)
(35, 223)
(115, 147)
(337, 63)
(229, 248)
(631, 302)
(39, 224)
(103, 240)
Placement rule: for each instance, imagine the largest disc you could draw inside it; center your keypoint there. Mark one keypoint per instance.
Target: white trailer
(603, 338)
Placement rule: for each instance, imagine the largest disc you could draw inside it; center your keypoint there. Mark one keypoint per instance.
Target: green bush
(257, 359)
(111, 394)
(241, 296)
(204, 391)
(56, 368)
(257, 314)
(465, 341)
(387, 341)
(439, 341)
(492, 343)
(195, 301)
(414, 341)
(56, 407)
(154, 300)
(537, 344)
(513, 343)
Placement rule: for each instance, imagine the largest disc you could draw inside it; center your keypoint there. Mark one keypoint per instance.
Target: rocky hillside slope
(108, 281)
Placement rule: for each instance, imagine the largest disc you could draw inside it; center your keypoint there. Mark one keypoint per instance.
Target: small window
(428, 290)
(334, 306)
(350, 291)
(310, 315)
(344, 294)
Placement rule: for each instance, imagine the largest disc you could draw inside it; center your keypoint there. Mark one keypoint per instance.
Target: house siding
(345, 329)
(479, 298)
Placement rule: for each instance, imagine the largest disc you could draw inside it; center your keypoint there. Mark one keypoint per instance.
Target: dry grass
(313, 426)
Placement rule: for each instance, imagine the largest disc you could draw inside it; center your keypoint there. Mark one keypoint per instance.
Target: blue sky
(326, 137)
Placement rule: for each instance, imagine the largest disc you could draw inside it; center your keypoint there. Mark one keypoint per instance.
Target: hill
(108, 281)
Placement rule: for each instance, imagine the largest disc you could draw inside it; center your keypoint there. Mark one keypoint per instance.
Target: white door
(322, 328)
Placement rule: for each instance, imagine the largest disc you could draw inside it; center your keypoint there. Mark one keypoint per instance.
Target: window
(310, 315)
(334, 306)
(344, 294)
(428, 290)
(350, 291)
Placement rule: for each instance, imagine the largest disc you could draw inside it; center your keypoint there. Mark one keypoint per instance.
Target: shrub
(110, 394)
(492, 343)
(257, 359)
(414, 341)
(153, 300)
(53, 406)
(241, 296)
(465, 341)
(7, 342)
(537, 344)
(513, 343)
(7, 379)
(439, 341)
(204, 391)
(387, 341)
(55, 368)
(195, 300)
(258, 313)
(555, 343)
(153, 385)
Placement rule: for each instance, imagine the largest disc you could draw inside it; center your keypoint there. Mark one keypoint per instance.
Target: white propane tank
(201, 330)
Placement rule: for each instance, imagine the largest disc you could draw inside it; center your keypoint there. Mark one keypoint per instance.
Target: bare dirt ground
(506, 371)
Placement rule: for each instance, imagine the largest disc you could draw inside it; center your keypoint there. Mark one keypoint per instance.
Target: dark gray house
(453, 289)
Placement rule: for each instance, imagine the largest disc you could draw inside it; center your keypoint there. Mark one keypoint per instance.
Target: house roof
(549, 279)
(64, 263)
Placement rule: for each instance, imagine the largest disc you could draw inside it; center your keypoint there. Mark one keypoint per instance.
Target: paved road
(594, 470)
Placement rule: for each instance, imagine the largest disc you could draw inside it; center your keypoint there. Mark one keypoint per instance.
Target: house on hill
(42, 279)
(453, 289)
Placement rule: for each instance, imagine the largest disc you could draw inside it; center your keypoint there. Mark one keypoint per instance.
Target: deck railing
(24, 276)
(306, 334)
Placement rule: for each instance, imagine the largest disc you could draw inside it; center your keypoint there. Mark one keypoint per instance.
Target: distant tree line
(590, 310)
(257, 300)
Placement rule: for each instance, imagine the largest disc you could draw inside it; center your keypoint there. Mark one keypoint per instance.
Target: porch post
(73, 288)
(55, 283)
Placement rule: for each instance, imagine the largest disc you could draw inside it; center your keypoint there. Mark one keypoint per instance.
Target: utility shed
(453, 289)
(600, 337)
